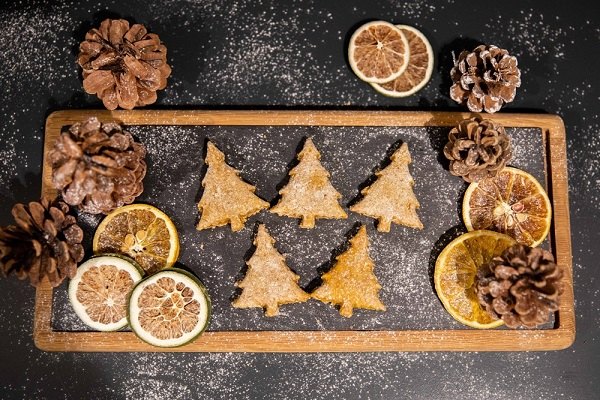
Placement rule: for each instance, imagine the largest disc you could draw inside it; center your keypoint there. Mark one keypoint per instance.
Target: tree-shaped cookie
(226, 198)
(351, 283)
(391, 198)
(309, 194)
(268, 282)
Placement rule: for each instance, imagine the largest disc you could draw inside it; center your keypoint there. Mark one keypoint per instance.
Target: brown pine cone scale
(522, 286)
(124, 66)
(44, 242)
(477, 149)
(485, 79)
(98, 167)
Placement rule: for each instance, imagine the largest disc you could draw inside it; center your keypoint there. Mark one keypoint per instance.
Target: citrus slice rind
(169, 309)
(419, 68)
(456, 271)
(100, 288)
(142, 232)
(378, 52)
(513, 202)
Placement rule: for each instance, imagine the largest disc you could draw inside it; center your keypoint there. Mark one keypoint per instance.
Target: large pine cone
(124, 66)
(477, 149)
(521, 286)
(486, 78)
(98, 167)
(45, 242)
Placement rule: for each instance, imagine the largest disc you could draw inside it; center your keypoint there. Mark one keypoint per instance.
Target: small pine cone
(477, 149)
(98, 167)
(486, 78)
(45, 242)
(124, 66)
(521, 286)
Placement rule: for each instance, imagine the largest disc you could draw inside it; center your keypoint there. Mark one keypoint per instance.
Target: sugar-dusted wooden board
(560, 336)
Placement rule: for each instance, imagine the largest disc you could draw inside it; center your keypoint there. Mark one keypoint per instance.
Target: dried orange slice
(378, 52)
(169, 309)
(99, 290)
(418, 71)
(456, 269)
(513, 202)
(141, 232)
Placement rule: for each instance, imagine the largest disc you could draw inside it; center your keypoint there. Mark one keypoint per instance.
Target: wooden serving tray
(560, 336)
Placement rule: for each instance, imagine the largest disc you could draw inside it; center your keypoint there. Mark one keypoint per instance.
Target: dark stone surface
(262, 54)
(404, 257)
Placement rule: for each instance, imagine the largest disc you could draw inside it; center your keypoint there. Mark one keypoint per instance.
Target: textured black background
(292, 54)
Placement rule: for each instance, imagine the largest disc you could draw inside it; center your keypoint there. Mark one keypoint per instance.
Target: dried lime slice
(169, 309)
(99, 290)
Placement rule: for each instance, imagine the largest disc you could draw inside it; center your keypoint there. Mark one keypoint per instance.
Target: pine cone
(477, 149)
(45, 242)
(124, 66)
(521, 286)
(486, 78)
(98, 167)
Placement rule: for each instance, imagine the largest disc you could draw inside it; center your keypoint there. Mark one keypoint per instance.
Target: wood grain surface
(561, 336)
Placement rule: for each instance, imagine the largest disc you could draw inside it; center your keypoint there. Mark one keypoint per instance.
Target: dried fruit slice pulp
(418, 71)
(378, 52)
(169, 309)
(99, 290)
(456, 270)
(513, 202)
(141, 232)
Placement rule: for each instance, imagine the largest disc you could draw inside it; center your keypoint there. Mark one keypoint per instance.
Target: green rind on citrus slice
(124, 258)
(163, 314)
(99, 291)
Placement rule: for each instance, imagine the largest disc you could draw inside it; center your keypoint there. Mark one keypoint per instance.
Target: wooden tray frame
(560, 337)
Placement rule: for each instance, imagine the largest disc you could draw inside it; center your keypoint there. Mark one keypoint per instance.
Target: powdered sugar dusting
(256, 48)
(537, 36)
(31, 39)
(403, 257)
(328, 376)
(24, 57)
(206, 41)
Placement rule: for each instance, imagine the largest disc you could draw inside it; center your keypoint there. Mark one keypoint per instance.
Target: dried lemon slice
(456, 270)
(169, 309)
(378, 52)
(141, 232)
(418, 71)
(513, 202)
(99, 290)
